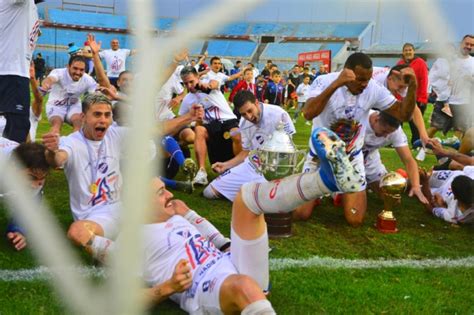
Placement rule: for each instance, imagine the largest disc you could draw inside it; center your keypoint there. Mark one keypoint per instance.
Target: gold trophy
(391, 186)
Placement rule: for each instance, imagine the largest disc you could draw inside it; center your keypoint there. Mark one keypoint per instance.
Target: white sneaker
(201, 177)
(294, 121)
(308, 123)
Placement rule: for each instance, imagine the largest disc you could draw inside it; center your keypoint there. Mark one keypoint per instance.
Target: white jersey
(214, 104)
(372, 142)
(93, 162)
(439, 77)
(172, 86)
(115, 61)
(345, 105)
(217, 76)
(19, 28)
(440, 183)
(7, 146)
(302, 92)
(166, 244)
(66, 92)
(254, 135)
(462, 81)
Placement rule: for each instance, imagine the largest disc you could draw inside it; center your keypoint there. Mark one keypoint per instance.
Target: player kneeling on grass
(32, 162)
(182, 264)
(450, 194)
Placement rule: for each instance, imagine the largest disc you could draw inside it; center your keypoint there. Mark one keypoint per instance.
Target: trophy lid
(393, 183)
(279, 141)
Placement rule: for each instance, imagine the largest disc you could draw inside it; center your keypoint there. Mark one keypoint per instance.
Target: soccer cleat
(201, 178)
(336, 171)
(189, 168)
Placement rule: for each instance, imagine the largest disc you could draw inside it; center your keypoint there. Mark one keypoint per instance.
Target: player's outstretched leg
(336, 174)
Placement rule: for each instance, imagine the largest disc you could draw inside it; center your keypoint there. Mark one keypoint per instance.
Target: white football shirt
(215, 105)
(115, 61)
(19, 28)
(66, 92)
(93, 162)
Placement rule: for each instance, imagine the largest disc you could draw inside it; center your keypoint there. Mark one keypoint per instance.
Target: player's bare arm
(315, 105)
(403, 110)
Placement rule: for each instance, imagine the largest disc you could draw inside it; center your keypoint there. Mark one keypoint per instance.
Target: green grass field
(307, 290)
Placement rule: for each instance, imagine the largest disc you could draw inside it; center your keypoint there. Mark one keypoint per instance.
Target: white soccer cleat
(189, 168)
(201, 178)
(336, 170)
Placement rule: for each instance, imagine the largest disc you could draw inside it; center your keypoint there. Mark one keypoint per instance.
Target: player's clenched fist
(51, 141)
(346, 76)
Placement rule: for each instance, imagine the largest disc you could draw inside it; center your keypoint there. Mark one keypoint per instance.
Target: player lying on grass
(32, 162)
(450, 194)
(182, 264)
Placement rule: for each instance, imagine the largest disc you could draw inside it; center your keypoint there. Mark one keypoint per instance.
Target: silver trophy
(278, 157)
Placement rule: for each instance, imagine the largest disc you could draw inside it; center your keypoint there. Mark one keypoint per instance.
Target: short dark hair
(276, 72)
(123, 73)
(462, 187)
(389, 120)
(408, 44)
(238, 61)
(467, 36)
(75, 58)
(94, 98)
(215, 58)
(188, 70)
(242, 97)
(247, 70)
(397, 68)
(358, 59)
(269, 61)
(32, 156)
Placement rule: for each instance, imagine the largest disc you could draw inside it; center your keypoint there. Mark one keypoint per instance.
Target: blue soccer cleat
(336, 170)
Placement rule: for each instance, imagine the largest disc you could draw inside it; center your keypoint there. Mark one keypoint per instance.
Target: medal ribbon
(91, 157)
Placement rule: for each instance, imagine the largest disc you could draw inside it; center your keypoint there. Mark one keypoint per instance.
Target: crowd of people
(353, 112)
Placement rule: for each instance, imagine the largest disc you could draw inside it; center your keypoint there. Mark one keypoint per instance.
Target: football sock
(206, 229)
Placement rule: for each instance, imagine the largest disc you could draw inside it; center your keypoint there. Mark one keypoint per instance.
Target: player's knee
(210, 193)
(245, 289)
(74, 230)
(354, 220)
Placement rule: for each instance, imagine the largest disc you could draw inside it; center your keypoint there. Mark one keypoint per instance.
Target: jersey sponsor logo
(116, 64)
(443, 175)
(209, 285)
(103, 167)
(19, 107)
(106, 189)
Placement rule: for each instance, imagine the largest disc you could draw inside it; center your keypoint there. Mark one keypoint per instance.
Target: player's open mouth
(100, 131)
(169, 203)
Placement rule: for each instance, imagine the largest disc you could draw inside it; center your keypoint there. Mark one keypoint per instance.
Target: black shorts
(14, 95)
(440, 120)
(15, 106)
(219, 143)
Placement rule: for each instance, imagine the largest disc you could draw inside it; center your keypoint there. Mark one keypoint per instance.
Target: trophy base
(279, 224)
(386, 225)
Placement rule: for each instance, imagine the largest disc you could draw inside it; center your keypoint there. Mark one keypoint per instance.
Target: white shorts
(108, 217)
(206, 294)
(228, 183)
(64, 112)
(374, 169)
(311, 165)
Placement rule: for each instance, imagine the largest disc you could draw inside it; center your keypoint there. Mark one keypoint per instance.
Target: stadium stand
(231, 48)
(87, 19)
(239, 40)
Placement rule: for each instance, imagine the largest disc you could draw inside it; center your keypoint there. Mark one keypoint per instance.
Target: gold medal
(226, 135)
(93, 188)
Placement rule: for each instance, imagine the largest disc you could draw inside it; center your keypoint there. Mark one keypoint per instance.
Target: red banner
(321, 56)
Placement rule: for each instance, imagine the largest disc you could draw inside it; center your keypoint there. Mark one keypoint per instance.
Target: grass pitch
(308, 290)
